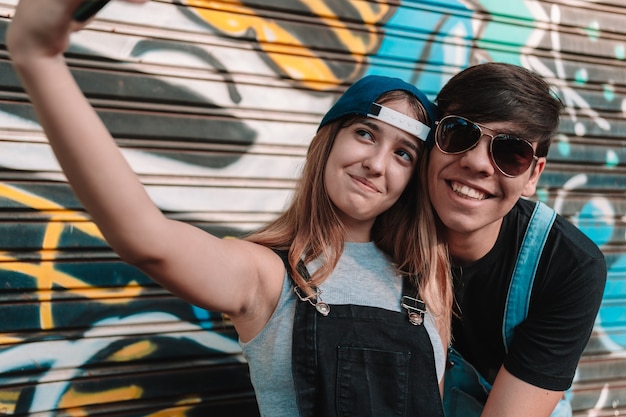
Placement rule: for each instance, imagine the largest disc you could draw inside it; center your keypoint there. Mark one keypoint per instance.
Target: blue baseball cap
(360, 99)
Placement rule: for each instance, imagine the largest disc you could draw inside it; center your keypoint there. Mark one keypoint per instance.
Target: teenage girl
(342, 304)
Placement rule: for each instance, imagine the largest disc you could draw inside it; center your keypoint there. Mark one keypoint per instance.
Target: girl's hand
(42, 28)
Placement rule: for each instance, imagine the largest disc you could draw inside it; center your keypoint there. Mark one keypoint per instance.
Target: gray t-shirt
(363, 276)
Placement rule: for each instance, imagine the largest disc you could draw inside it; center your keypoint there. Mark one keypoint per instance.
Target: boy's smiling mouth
(467, 192)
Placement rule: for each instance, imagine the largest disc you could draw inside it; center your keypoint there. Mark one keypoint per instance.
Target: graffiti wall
(213, 104)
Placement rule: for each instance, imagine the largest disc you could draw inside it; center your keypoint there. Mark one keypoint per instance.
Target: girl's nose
(375, 162)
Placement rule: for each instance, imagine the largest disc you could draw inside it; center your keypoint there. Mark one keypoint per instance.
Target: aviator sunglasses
(510, 154)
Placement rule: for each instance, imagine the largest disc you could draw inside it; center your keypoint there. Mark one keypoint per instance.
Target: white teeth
(465, 191)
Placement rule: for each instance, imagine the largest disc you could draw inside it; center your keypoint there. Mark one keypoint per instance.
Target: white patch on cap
(399, 120)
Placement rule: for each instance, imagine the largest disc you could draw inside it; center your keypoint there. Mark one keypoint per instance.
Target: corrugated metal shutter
(213, 103)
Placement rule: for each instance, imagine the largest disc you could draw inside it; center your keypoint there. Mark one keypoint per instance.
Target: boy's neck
(466, 248)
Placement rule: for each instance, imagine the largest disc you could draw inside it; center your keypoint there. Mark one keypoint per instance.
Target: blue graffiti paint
(204, 317)
(596, 220)
(608, 91)
(542, 194)
(563, 146)
(581, 76)
(613, 315)
(593, 31)
(620, 51)
(401, 56)
(612, 159)
(498, 33)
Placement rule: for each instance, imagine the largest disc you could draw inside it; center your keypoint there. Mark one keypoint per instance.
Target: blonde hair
(310, 227)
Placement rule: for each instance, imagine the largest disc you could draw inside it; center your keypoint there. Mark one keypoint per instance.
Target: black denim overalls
(362, 361)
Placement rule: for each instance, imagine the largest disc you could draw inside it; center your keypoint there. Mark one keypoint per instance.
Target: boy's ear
(531, 186)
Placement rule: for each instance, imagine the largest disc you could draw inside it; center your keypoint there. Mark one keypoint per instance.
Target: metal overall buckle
(315, 300)
(415, 308)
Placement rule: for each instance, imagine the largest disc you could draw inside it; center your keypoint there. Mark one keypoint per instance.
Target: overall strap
(518, 298)
(315, 300)
(411, 302)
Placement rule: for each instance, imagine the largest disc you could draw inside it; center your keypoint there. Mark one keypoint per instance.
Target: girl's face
(368, 168)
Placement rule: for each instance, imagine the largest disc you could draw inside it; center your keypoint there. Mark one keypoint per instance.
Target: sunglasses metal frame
(492, 137)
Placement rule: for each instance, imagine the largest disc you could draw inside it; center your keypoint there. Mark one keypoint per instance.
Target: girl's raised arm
(221, 275)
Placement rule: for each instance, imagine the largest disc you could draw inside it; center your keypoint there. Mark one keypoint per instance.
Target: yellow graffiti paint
(46, 276)
(8, 401)
(44, 271)
(9, 340)
(76, 399)
(132, 289)
(73, 398)
(177, 411)
(44, 206)
(286, 50)
(360, 43)
(135, 351)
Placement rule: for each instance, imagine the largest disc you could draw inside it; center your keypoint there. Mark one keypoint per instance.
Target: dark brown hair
(497, 91)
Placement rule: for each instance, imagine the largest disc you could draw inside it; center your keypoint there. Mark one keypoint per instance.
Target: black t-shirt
(566, 296)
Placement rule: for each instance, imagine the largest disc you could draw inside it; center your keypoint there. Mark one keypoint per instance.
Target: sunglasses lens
(512, 155)
(456, 135)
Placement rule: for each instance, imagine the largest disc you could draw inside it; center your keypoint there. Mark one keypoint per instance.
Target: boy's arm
(512, 397)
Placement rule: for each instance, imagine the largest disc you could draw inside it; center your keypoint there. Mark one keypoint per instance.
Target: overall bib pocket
(372, 382)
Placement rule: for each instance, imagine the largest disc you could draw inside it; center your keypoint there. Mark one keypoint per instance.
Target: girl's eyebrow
(374, 125)
(409, 144)
(369, 123)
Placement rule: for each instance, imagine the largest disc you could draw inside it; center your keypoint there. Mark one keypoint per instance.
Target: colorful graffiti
(82, 333)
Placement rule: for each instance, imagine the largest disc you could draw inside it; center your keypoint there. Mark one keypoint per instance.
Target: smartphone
(88, 8)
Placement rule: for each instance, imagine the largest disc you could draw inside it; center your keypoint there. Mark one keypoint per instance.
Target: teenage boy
(491, 146)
